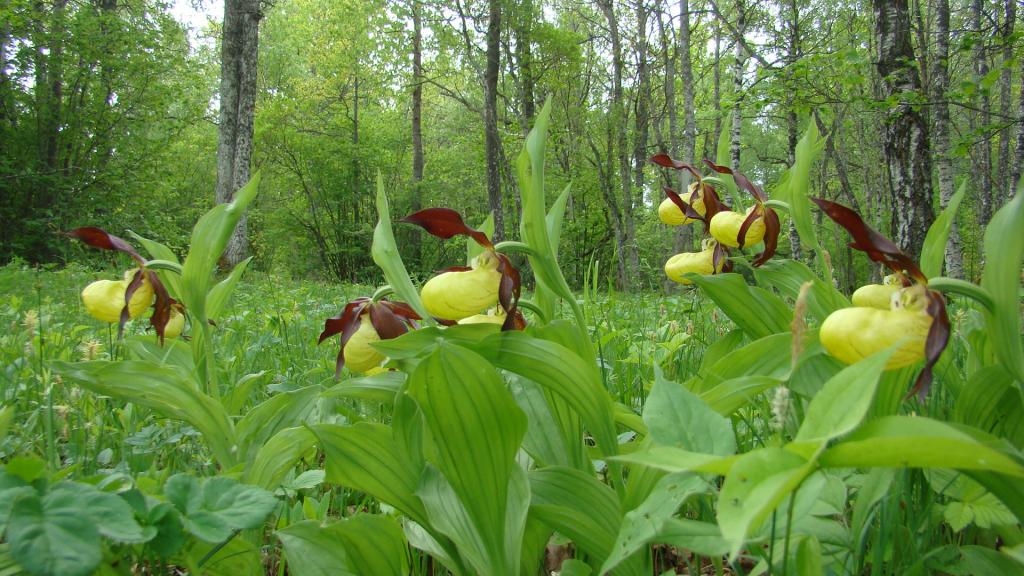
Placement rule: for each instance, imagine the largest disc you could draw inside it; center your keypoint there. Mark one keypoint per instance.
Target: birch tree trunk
(792, 55)
(905, 144)
(683, 238)
(982, 154)
(944, 164)
(1004, 170)
(417, 119)
(491, 136)
(739, 66)
(618, 121)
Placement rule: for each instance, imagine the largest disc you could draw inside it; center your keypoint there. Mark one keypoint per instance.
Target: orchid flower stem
(779, 204)
(527, 304)
(381, 292)
(164, 265)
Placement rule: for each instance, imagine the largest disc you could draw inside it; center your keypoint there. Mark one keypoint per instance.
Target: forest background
(109, 113)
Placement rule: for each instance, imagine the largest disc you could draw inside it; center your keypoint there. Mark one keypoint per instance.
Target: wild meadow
(491, 420)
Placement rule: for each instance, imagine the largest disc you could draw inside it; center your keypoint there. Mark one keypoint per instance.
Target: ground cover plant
(760, 422)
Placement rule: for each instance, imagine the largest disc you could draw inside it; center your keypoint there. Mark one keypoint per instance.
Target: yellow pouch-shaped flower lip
(670, 214)
(460, 294)
(359, 355)
(875, 296)
(104, 299)
(492, 317)
(852, 334)
(175, 325)
(702, 262)
(725, 227)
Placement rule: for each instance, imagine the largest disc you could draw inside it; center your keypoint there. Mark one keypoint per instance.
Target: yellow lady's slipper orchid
(359, 355)
(461, 294)
(175, 325)
(725, 227)
(852, 334)
(877, 295)
(672, 215)
(491, 317)
(104, 299)
(702, 262)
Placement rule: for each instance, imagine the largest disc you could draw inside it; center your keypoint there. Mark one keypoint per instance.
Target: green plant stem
(963, 288)
(789, 530)
(514, 247)
(217, 548)
(385, 290)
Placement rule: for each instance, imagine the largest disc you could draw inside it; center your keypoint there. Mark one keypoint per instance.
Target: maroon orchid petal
(712, 205)
(741, 234)
(445, 322)
(401, 309)
(99, 238)
(387, 324)
(772, 227)
(938, 338)
(868, 240)
(682, 204)
(666, 161)
(718, 257)
(508, 291)
(455, 269)
(446, 223)
(336, 324)
(741, 180)
(128, 293)
(161, 306)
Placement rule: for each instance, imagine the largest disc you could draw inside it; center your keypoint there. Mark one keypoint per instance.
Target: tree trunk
(905, 143)
(491, 136)
(1018, 163)
(716, 92)
(239, 52)
(618, 121)
(982, 155)
(643, 96)
(944, 164)
(524, 56)
(737, 84)
(417, 129)
(792, 55)
(1004, 170)
(684, 234)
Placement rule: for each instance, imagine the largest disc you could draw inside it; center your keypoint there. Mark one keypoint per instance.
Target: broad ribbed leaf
(787, 276)
(580, 507)
(758, 312)
(769, 356)
(209, 238)
(933, 251)
(559, 370)
(477, 430)
(754, 486)
(374, 544)
(917, 442)
(554, 435)
(386, 256)
(165, 389)
(844, 401)
(677, 417)
(702, 538)
(314, 550)
(277, 456)
(795, 186)
(221, 291)
(645, 523)
(367, 458)
(1004, 256)
(283, 410)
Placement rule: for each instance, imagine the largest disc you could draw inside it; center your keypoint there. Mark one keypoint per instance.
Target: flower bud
(702, 262)
(359, 355)
(725, 227)
(672, 215)
(461, 294)
(104, 299)
(852, 334)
